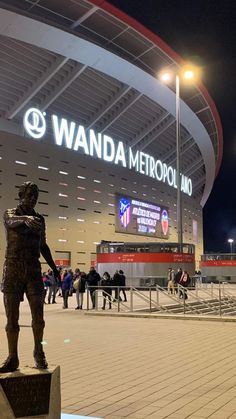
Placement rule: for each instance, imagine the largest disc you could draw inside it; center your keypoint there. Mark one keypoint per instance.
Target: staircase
(195, 305)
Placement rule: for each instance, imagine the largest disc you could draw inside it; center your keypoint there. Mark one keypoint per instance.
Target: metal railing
(203, 299)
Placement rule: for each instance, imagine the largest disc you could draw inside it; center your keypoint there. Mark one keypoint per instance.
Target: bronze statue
(26, 239)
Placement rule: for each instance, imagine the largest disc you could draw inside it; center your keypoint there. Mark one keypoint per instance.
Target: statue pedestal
(30, 394)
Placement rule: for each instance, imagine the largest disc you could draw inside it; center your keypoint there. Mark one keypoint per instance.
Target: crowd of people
(181, 277)
(77, 282)
(111, 286)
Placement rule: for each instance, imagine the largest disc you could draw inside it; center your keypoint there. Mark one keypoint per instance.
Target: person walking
(184, 282)
(79, 286)
(66, 286)
(170, 281)
(52, 287)
(106, 282)
(93, 278)
(46, 285)
(123, 283)
(177, 279)
(117, 284)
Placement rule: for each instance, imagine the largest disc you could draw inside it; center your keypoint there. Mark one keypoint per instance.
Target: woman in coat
(79, 286)
(106, 282)
(66, 286)
(184, 282)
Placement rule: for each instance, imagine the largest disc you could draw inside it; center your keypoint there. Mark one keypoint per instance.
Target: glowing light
(43, 168)
(75, 137)
(21, 162)
(34, 123)
(166, 77)
(189, 74)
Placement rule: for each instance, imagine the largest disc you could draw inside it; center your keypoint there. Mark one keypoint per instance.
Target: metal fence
(199, 299)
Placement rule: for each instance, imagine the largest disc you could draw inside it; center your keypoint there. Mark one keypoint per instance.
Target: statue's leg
(36, 306)
(11, 303)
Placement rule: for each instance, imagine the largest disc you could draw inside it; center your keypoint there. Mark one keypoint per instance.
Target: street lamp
(230, 241)
(187, 74)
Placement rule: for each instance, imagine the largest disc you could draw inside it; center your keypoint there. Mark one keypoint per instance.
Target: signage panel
(218, 263)
(76, 137)
(145, 258)
(135, 216)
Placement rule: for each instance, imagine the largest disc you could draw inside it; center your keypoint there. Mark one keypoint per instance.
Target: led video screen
(135, 216)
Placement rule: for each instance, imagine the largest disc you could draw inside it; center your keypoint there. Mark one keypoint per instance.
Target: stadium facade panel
(90, 73)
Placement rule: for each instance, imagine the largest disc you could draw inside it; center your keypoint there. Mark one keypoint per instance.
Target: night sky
(204, 32)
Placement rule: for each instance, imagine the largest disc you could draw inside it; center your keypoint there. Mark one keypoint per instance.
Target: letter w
(62, 130)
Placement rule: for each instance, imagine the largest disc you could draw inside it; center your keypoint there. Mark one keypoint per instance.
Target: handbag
(76, 283)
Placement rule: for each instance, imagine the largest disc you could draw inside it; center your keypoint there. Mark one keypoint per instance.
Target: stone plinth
(30, 394)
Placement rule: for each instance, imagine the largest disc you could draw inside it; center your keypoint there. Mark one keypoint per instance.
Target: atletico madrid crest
(125, 212)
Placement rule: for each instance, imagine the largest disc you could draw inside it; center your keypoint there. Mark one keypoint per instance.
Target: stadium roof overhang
(72, 71)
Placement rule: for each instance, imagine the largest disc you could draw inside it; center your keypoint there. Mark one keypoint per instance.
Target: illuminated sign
(134, 216)
(34, 123)
(75, 137)
(124, 211)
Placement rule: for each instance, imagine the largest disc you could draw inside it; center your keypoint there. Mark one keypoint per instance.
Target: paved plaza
(129, 367)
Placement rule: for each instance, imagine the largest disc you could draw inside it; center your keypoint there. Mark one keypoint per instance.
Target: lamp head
(166, 76)
(188, 74)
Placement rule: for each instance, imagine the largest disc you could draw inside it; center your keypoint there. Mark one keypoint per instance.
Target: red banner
(218, 263)
(145, 258)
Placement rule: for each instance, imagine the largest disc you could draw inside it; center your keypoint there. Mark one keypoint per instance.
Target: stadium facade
(84, 116)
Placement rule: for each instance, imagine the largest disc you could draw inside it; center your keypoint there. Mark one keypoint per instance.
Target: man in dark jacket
(177, 279)
(106, 282)
(117, 282)
(93, 279)
(123, 283)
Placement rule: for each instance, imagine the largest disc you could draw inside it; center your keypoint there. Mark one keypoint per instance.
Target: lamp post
(230, 241)
(166, 76)
(178, 174)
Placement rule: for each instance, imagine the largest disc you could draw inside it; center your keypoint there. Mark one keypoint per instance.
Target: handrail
(219, 303)
(148, 299)
(176, 299)
(215, 293)
(198, 299)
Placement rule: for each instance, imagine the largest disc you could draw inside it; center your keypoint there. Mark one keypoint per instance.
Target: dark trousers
(117, 294)
(183, 294)
(92, 296)
(52, 293)
(124, 294)
(106, 296)
(65, 295)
